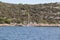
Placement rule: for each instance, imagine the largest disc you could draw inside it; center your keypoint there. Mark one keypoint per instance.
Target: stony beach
(30, 25)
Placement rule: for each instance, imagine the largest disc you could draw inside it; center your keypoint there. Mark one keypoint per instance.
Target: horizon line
(29, 3)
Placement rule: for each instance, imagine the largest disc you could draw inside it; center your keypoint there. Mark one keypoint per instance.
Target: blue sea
(29, 33)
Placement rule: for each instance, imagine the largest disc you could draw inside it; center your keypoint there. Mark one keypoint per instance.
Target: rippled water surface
(29, 33)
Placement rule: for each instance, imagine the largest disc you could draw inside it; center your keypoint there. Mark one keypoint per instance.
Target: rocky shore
(30, 25)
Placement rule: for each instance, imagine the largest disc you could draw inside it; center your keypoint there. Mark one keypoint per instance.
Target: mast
(28, 18)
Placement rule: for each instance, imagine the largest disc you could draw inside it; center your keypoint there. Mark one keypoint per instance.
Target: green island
(48, 13)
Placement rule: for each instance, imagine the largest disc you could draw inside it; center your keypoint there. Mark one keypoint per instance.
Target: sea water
(29, 33)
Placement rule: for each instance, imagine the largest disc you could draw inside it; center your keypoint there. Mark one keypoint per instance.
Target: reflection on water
(29, 33)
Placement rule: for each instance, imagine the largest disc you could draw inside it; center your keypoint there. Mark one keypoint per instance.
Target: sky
(29, 1)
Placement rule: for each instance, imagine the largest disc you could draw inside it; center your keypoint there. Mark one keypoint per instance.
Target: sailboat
(28, 24)
(28, 21)
(31, 23)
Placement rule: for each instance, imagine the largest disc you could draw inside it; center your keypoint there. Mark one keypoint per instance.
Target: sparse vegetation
(40, 13)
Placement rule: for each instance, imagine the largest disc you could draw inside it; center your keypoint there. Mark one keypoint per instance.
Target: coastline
(30, 25)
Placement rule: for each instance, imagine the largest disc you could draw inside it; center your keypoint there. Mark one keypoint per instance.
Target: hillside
(39, 13)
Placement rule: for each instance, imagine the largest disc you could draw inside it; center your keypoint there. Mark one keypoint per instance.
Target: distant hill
(39, 13)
